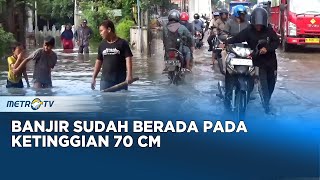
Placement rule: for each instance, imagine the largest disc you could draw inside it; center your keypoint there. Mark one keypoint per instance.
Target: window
(300, 7)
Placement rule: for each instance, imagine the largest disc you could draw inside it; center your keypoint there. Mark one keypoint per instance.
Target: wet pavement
(297, 89)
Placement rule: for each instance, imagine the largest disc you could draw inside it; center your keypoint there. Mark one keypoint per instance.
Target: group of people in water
(114, 58)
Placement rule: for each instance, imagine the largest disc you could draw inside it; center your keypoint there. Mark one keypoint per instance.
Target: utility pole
(35, 22)
(139, 25)
(75, 14)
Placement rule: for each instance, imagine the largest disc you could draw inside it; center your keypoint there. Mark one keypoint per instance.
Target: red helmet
(184, 16)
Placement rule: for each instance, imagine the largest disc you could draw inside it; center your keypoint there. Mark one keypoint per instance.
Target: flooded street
(297, 89)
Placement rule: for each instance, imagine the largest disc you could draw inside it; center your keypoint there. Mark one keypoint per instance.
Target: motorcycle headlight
(292, 30)
(242, 52)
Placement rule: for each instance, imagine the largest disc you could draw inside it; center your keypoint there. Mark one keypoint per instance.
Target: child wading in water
(45, 60)
(15, 80)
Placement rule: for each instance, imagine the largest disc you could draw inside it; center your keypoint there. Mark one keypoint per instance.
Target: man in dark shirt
(82, 37)
(115, 58)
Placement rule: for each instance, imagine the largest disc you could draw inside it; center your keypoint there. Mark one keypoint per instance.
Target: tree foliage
(99, 13)
(48, 9)
(6, 39)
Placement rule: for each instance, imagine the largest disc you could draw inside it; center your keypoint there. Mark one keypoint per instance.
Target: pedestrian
(45, 59)
(67, 37)
(115, 58)
(15, 80)
(82, 37)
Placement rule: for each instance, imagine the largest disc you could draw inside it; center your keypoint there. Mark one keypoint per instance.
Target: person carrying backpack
(174, 31)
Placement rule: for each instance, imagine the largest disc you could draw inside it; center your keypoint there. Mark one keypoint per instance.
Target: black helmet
(259, 16)
(174, 15)
(196, 16)
(224, 11)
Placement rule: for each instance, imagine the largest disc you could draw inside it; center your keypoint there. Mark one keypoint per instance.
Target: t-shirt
(12, 77)
(44, 62)
(113, 57)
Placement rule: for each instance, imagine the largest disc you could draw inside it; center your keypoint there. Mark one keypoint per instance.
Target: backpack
(171, 39)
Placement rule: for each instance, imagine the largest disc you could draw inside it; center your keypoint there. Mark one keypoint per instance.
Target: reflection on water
(152, 95)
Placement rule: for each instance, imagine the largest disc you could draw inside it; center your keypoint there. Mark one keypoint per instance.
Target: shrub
(95, 17)
(123, 29)
(6, 39)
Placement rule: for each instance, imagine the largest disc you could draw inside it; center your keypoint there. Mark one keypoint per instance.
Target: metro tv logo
(34, 104)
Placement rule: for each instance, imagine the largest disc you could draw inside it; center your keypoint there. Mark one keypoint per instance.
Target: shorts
(14, 85)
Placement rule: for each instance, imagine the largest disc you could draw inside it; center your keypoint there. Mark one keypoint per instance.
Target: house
(182, 4)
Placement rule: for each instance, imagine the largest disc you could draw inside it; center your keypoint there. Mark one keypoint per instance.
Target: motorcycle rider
(238, 22)
(173, 31)
(233, 27)
(198, 24)
(216, 16)
(184, 20)
(224, 17)
(266, 61)
(219, 24)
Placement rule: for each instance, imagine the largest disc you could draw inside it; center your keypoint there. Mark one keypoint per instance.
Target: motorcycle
(175, 66)
(198, 39)
(240, 67)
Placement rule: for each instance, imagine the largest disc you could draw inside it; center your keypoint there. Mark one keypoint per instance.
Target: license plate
(241, 62)
(172, 63)
(312, 40)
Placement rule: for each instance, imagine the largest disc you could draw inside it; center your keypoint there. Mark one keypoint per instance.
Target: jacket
(198, 25)
(251, 36)
(232, 27)
(67, 35)
(220, 24)
(182, 30)
(83, 35)
(212, 23)
(189, 26)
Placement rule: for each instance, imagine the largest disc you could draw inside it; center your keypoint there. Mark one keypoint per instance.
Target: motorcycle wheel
(174, 77)
(171, 76)
(241, 105)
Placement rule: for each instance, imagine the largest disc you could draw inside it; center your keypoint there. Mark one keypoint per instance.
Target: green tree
(99, 13)
(6, 39)
(55, 9)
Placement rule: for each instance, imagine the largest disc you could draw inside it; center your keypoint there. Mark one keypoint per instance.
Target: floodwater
(296, 92)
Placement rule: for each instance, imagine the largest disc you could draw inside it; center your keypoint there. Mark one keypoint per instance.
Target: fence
(36, 37)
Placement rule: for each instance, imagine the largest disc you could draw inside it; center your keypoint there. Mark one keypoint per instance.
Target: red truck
(297, 22)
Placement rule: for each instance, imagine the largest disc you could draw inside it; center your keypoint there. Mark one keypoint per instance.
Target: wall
(137, 41)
